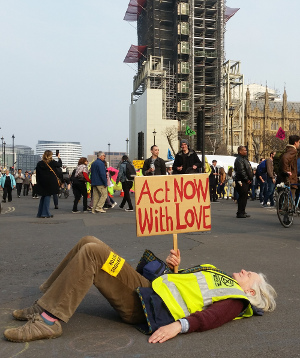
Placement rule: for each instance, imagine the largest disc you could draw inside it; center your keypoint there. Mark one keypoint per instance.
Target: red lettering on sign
(178, 225)
(146, 192)
(146, 222)
(155, 196)
(166, 192)
(199, 187)
(206, 226)
(161, 216)
(169, 221)
(193, 190)
(178, 189)
(198, 219)
(190, 222)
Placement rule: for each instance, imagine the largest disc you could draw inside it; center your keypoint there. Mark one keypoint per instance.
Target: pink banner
(280, 134)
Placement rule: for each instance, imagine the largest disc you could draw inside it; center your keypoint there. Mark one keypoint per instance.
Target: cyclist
(288, 162)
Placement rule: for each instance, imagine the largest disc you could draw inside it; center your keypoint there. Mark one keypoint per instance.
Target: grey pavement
(31, 248)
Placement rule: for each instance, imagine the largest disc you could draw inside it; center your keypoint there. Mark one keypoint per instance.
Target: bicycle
(286, 206)
(63, 190)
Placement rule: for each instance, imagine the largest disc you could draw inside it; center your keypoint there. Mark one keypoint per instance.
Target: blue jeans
(253, 193)
(262, 190)
(44, 205)
(270, 192)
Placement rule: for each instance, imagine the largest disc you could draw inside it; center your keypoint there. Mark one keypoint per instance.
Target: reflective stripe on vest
(184, 294)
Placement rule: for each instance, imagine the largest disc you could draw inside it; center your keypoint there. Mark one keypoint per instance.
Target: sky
(62, 75)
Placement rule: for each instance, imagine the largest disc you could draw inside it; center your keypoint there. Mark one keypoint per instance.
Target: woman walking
(47, 177)
(79, 184)
(221, 186)
(229, 178)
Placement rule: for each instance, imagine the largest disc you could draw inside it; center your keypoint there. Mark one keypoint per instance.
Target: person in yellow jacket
(197, 300)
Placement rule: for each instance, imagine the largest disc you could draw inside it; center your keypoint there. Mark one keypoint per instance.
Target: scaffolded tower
(186, 39)
(233, 129)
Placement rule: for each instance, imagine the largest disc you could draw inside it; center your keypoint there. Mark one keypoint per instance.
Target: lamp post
(154, 133)
(13, 163)
(109, 153)
(231, 109)
(127, 140)
(4, 144)
(2, 139)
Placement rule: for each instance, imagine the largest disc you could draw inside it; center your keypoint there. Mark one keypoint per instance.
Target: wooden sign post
(172, 204)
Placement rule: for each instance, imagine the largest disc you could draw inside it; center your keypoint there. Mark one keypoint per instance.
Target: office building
(70, 152)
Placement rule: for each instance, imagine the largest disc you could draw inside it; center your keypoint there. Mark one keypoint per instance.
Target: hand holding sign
(173, 259)
(171, 204)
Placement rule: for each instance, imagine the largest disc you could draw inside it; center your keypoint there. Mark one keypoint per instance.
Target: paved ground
(30, 249)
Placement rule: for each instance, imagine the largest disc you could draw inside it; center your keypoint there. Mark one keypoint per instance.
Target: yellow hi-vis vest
(184, 294)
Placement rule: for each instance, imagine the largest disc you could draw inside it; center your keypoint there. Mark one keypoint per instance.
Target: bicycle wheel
(66, 193)
(285, 209)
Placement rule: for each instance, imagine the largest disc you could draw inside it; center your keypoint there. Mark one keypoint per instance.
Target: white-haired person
(160, 302)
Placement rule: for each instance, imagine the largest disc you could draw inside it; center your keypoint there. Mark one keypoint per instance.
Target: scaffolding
(234, 99)
(187, 36)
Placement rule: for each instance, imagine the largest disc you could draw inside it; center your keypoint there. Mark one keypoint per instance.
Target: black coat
(190, 160)
(213, 179)
(47, 183)
(242, 169)
(160, 167)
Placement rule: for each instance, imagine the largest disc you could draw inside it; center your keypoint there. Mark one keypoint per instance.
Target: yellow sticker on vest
(113, 264)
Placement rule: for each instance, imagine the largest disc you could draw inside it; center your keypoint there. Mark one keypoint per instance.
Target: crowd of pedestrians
(239, 183)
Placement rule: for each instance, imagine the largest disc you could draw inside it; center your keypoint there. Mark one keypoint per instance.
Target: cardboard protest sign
(171, 204)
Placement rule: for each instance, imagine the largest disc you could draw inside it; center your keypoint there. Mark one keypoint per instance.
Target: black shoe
(56, 207)
(215, 201)
(3, 201)
(241, 216)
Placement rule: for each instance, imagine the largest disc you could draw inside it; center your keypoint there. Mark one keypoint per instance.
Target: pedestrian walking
(126, 180)
(243, 177)
(99, 183)
(8, 183)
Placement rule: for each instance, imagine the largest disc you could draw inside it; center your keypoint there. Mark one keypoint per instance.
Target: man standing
(99, 183)
(19, 181)
(270, 181)
(262, 180)
(126, 183)
(243, 177)
(288, 161)
(26, 184)
(186, 161)
(213, 181)
(154, 165)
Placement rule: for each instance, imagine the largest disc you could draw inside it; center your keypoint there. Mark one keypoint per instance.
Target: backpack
(130, 171)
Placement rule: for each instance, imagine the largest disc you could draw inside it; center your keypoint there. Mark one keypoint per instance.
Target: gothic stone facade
(263, 118)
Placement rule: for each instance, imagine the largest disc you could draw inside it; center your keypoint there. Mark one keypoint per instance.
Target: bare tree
(256, 147)
(271, 142)
(222, 149)
(213, 144)
(266, 143)
(172, 136)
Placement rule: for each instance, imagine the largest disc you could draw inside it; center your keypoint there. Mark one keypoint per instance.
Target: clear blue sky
(62, 71)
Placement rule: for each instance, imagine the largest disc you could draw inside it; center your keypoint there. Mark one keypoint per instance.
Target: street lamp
(154, 133)
(13, 163)
(231, 109)
(4, 144)
(127, 140)
(2, 139)
(109, 153)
